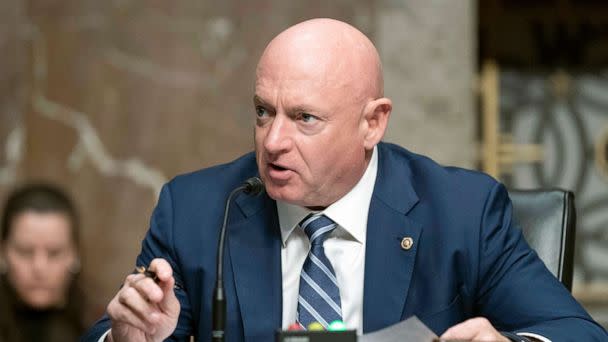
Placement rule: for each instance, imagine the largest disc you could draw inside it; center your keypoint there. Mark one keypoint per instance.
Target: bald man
(399, 234)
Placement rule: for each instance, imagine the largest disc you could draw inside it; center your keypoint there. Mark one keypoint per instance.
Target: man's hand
(143, 310)
(475, 329)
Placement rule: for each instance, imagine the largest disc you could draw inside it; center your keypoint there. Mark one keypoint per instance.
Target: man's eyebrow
(300, 108)
(259, 100)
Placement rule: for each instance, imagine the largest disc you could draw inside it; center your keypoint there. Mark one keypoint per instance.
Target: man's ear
(376, 115)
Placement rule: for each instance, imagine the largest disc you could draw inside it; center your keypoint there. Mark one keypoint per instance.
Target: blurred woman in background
(39, 263)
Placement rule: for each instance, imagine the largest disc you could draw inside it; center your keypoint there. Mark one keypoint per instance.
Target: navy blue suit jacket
(468, 258)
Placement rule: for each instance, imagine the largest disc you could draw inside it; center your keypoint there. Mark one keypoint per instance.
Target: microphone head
(254, 186)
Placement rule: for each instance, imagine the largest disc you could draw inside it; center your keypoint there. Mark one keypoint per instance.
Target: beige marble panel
(13, 83)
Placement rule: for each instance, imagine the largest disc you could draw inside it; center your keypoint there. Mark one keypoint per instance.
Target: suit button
(407, 243)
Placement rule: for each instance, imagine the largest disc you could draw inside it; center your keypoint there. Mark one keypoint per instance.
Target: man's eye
(307, 117)
(260, 111)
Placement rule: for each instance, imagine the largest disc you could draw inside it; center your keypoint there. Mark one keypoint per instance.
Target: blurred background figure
(39, 295)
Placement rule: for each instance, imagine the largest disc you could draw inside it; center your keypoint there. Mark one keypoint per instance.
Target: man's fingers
(133, 300)
(459, 331)
(146, 303)
(148, 289)
(169, 303)
(130, 319)
(131, 278)
(164, 272)
(478, 329)
(123, 313)
(162, 269)
(134, 303)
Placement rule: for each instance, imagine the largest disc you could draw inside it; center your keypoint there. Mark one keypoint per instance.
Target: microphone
(252, 186)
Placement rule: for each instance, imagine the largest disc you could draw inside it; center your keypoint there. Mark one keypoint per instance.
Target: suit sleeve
(515, 290)
(158, 243)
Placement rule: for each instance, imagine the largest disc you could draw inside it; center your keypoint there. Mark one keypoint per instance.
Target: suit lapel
(255, 254)
(388, 266)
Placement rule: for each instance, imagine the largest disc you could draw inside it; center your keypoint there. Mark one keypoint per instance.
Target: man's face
(308, 134)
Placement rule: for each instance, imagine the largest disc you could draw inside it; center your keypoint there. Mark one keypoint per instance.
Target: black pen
(145, 271)
(151, 274)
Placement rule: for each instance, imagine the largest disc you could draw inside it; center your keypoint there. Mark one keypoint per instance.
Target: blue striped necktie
(319, 298)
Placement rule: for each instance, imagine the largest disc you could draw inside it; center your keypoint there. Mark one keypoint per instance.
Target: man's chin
(276, 193)
(283, 194)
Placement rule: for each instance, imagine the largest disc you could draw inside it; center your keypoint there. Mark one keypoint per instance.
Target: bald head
(319, 112)
(337, 51)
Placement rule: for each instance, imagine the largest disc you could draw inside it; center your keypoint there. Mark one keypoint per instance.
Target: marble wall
(111, 99)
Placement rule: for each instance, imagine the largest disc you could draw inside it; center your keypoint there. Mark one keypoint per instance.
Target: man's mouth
(279, 172)
(277, 167)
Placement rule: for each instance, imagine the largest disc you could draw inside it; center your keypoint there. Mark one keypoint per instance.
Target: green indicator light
(337, 326)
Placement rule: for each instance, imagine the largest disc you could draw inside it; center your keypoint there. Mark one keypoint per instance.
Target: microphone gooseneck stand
(252, 186)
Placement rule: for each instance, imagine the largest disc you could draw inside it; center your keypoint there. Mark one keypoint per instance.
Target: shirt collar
(349, 212)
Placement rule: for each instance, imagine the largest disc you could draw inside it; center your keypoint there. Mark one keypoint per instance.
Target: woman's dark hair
(40, 198)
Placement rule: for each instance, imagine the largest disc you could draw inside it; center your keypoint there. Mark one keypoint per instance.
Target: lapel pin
(407, 243)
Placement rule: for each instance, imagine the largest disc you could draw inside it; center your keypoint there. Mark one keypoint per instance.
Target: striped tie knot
(317, 227)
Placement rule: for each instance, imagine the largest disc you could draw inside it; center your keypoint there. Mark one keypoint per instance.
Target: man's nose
(279, 136)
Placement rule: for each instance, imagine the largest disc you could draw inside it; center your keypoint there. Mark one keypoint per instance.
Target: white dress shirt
(345, 248)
